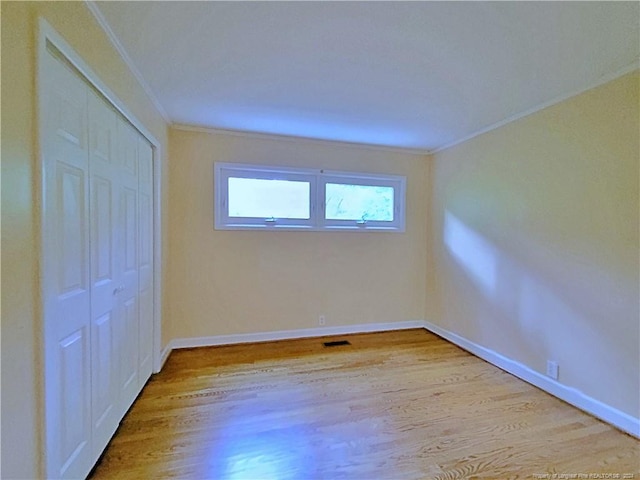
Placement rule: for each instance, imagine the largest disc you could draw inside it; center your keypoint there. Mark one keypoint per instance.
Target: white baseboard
(609, 414)
(166, 351)
(290, 334)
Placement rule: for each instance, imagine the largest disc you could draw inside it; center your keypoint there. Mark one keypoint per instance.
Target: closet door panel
(75, 429)
(71, 232)
(105, 282)
(128, 227)
(145, 195)
(66, 281)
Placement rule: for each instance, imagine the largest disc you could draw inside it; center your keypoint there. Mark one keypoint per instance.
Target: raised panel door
(106, 311)
(127, 260)
(145, 258)
(66, 273)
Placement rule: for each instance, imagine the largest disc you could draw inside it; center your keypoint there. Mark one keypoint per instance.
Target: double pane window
(259, 197)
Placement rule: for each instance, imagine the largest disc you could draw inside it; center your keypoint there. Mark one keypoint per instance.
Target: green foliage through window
(358, 202)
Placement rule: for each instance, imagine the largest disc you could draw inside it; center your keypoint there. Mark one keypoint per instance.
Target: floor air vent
(337, 343)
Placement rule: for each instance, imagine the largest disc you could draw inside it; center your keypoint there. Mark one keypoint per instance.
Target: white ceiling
(419, 75)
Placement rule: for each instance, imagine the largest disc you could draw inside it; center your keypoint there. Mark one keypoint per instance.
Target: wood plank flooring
(393, 405)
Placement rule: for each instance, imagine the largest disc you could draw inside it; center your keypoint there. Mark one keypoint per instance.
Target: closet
(97, 266)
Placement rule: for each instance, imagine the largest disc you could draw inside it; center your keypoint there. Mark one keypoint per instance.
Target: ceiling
(418, 75)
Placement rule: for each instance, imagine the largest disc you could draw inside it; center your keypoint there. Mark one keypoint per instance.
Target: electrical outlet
(552, 369)
(321, 320)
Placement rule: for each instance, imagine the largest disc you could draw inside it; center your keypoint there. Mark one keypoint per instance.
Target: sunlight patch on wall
(475, 254)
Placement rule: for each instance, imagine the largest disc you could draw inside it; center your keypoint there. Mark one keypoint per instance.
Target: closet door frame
(46, 35)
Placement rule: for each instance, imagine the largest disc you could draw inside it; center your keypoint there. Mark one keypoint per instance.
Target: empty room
(320, 240)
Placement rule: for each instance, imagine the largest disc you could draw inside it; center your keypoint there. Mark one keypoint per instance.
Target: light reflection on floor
(271, 455)
(271, 439)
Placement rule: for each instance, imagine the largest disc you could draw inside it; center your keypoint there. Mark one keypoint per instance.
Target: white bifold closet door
(97, 268)
(145, 260)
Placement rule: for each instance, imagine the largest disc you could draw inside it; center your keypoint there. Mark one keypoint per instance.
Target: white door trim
(47, 34)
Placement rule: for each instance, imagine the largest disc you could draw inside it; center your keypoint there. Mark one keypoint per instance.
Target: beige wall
(535, 231)
(21, 363)
(234, 282)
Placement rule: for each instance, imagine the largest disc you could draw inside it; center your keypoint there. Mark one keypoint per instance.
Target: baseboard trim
(607, 413)
(166, 351)
(291, 334)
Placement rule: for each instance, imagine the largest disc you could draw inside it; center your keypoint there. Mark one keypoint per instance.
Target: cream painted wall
(21, 361)
(535, 233)
(234, 282)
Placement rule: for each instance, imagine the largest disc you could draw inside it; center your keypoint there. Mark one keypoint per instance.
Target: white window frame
(317, 180)
(225, 170)
(398, 183)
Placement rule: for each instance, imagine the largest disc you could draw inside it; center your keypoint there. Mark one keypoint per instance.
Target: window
(356, 202)
(361, 201)
(259, 197)
(250, 196)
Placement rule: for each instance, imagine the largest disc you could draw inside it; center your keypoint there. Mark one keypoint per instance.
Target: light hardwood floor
(393, 405)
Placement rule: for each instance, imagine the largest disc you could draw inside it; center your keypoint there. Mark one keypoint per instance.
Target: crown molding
(601, 81)
(97, 14)
(293, 138)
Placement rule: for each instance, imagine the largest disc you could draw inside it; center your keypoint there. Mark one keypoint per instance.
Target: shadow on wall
(520, 306)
